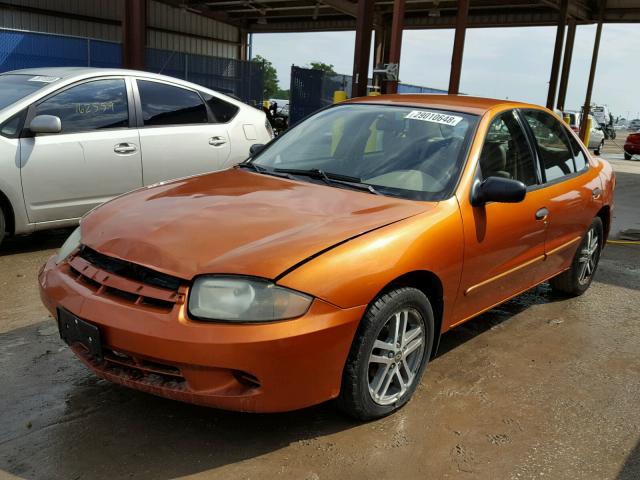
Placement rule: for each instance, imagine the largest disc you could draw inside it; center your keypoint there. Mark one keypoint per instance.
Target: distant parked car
(596, 138)
(632, 146)
(634, 125)
(72, 138)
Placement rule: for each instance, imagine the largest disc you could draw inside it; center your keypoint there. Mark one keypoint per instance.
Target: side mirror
(497, 189)
(46, 124)
(255, 149)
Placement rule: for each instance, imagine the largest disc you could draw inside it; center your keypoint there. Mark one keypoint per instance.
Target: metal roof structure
(268, 16)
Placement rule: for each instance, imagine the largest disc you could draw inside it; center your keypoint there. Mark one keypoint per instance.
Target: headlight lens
(240, 299)
(69, 246)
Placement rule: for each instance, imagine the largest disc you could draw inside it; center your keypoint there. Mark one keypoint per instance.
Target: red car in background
(632, 146)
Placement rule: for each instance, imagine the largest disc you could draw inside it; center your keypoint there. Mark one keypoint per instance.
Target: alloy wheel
(396, 356)
(588, 256)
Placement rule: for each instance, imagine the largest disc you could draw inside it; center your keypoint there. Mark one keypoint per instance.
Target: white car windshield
(14, 87)
(410, 152)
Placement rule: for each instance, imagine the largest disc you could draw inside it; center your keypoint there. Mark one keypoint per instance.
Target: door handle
(217, 141)
(542, 214)
(124, 148)
(596, 192)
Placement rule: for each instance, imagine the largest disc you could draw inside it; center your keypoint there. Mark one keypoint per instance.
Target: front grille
(118, 279)
(129, 270)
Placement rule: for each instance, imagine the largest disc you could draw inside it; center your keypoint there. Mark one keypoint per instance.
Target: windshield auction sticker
(43, 79)
(434, 117)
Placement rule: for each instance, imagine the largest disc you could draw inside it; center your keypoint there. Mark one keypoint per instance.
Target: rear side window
(222, 111)
(578, 154)
(556, 154)
(164, 104)
(89, 106)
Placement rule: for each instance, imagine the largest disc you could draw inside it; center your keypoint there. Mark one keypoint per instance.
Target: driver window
(506, 151)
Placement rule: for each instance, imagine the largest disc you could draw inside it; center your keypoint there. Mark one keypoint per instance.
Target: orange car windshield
(410, 152)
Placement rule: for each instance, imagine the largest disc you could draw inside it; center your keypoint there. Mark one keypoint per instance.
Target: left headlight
(69, 246)
(242, 299)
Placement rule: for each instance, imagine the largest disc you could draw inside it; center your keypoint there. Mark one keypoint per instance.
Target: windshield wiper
(258, 169)
(331, 178)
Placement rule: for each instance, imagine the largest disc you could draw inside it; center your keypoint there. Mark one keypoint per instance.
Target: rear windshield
(15, 87)
(409, 152)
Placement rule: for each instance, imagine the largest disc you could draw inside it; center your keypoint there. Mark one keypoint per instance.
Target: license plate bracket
(73, 331)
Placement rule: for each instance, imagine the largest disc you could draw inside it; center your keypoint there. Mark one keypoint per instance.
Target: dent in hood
(236, 222)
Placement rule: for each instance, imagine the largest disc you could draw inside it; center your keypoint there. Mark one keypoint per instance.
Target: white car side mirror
(46, 124)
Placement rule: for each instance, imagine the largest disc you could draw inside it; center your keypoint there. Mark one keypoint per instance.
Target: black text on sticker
(435, 117)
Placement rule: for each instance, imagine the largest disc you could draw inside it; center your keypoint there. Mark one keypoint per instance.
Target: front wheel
(389, 354)
(577, 279)
(3, 226)
(627, 156)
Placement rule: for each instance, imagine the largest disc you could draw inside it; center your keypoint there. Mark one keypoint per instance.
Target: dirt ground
(540, 387)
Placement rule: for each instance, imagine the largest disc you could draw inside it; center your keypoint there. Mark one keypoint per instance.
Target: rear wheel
(389, 354)
(627, 156)
(577, 279)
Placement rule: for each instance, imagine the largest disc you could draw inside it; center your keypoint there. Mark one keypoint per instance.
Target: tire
(3, 226)
(598, 150)
(576, 280)
(372, 365)
(627, 156)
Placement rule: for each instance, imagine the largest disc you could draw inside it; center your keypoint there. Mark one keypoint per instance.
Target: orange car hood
(235, 222)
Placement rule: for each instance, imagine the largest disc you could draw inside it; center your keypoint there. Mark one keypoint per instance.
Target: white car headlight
(243, 299)
(69, 246)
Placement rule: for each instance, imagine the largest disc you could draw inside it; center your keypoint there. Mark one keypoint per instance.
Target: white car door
(95, 157)
(178, 136)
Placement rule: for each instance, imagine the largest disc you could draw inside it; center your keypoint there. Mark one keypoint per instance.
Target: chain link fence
(241, 79)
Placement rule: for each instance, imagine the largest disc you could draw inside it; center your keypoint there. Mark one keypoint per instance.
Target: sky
(512, 63)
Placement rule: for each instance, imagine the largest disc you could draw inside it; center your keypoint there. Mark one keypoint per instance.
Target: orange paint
(343, 247)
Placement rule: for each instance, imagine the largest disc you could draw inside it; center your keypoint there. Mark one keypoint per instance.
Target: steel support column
(557, 53)
(364, 24)
(458, 47)
(592, 73)
(244, 44)
(395, 43)
(566, 65)
(378, 53)
(134, 34)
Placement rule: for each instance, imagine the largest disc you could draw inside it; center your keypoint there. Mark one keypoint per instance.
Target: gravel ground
(541, 387)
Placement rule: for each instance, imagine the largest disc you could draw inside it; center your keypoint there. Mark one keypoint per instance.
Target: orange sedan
(329, 264)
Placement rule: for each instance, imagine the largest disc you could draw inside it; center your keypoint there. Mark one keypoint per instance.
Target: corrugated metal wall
(165, 17)
(109, 10)
(190, 33)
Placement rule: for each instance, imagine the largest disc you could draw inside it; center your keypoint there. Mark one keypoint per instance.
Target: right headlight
(244, 299)
(69, 246)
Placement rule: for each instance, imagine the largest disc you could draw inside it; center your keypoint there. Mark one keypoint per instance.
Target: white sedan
(72, 138)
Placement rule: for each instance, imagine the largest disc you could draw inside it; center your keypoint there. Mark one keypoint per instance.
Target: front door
(177, 136)
(504, 242)
(95, 157)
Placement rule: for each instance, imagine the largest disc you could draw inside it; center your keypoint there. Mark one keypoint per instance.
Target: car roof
(459, 103)
(69, 72)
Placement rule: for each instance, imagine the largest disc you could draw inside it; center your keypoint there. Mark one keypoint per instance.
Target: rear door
(95, 157)
(178, 135)
(571, 187)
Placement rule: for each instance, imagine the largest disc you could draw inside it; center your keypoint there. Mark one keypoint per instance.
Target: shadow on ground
(55, 413)
(631, 468)
(35, 242)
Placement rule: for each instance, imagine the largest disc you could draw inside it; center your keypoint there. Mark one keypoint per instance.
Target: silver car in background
(72, 138)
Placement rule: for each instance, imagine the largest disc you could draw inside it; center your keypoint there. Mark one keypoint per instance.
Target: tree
(282, 94)
(270, 76)
(323, 67)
